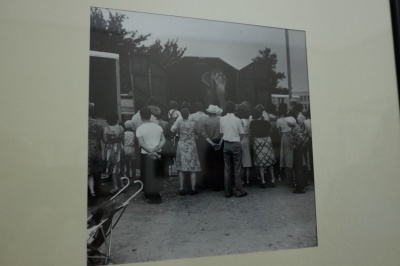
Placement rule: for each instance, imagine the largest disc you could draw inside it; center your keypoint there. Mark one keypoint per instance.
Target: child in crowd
(129, 149)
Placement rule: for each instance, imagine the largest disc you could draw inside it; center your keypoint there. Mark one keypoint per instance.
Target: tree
(165, 54)
(110, 35)
(270, 60)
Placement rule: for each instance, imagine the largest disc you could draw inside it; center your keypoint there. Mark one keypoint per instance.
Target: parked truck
(105, 86)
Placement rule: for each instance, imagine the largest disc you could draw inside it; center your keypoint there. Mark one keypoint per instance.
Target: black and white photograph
(199, 139)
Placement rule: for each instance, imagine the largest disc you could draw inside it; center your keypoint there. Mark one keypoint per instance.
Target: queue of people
(211, 148)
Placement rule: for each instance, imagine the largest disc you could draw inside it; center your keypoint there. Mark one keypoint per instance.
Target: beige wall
(44, 51)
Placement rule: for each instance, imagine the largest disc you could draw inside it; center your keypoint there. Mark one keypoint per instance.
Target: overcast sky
(234, 43)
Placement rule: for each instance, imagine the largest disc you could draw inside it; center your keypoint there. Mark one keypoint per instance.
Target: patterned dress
(263, 150)
(113, 138)
(129, 145)
(187, 158)
(94, 148)
(245, 143)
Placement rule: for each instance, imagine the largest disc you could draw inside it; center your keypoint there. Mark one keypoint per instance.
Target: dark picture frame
(395, 12)
(44, 100)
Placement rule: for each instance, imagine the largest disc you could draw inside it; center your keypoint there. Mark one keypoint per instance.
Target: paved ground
(208, 224)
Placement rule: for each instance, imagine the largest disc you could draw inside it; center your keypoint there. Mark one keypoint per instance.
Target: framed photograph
(231, 169)
(343, 55)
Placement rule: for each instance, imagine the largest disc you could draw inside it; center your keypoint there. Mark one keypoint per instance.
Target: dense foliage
(109, 35)
(270, 59)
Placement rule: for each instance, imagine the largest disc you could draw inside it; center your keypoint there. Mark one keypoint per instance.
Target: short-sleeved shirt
(260, 129)
(180, 118)
(231, 128)
(198, 118)
(164, 125)
(173, 113)
(246, 125)
(211, 128)
(283, 125)
(151, 133)
(137, 120)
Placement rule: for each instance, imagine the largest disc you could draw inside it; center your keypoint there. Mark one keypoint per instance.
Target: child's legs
(193, 180)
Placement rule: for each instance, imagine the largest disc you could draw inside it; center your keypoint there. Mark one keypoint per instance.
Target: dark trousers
(97, 182)
(150, 170)
(214, 167)
(298, 168)
(201, 146)
(233, 163)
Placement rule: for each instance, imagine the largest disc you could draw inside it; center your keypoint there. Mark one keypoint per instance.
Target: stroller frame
(102, 232)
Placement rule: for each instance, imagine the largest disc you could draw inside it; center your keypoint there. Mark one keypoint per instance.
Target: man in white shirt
(231, 130)
(151, 140)
(137, 119)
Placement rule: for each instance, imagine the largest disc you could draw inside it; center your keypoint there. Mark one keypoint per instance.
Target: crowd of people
(210, 147)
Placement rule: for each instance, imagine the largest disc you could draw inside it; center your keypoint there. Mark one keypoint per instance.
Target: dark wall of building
(184, 79)
(253, 82)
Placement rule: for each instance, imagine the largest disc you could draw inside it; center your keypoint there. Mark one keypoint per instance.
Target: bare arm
(210, 142)
(105, 135)
(279, 129)
(218, 146)
(174, 127)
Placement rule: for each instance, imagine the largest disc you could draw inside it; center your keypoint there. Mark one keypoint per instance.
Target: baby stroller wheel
(92, 256)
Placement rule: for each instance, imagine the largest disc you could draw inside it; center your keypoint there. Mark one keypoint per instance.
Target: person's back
(260, 129)
(129, 150)
(231, 130)
(173, 113)
(164, 125)
(151, 140)
(129, 141)
(282, 125)
(186, 129)
(231, 127)
(211, 127)
(245, 125)
(151, 133)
